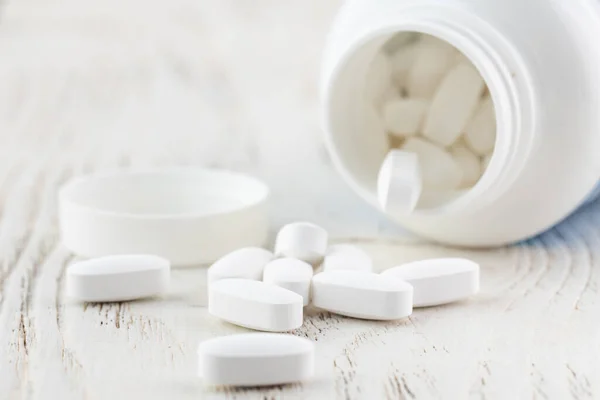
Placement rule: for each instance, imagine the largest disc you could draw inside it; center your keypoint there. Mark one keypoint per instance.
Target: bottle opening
(418, 93)
(431, 100)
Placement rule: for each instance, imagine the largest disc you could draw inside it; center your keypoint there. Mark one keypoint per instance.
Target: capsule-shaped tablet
(453, 104)
(391, 94)
(480, 133)
(438, 281)
(404, 117)
(399, 183)
(347, 257)
(379, 77)
(246, 263)
(255, 359)
(485, 162)
(469, 162)
(371, 137)
(118, 278)
(290, 274)
(255, 305)
(439, 170)
(432, 61)
(362, 295)
(302, 240)
(402, 61)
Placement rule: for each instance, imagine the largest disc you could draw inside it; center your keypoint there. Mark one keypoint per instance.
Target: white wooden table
(89, 86)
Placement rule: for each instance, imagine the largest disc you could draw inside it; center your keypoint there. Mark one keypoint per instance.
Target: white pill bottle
(540, 60)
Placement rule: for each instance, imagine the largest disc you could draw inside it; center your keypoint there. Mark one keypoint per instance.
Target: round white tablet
(438, 281)
(247, 263)
(290, 274)
(362, 295)
(399, 182)
(347, 257)
(189, 216)
(302, 240)
(255, 359)
(118, 278)
(255, 305)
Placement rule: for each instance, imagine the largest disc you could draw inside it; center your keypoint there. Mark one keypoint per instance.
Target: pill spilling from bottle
(432, 103)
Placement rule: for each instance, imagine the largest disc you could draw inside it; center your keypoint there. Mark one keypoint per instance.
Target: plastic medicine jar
(540, 60)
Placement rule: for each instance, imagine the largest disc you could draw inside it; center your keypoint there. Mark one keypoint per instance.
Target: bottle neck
(509, 85)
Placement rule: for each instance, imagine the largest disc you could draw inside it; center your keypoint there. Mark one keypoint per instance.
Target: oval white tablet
(391, 94)
(362, 295)
(255, 305)
(439, 170)
(118, 278)
(469, 162)
(379, 77)
(431, 62)
(399, 183)
(290, 274)
(246, 263)
(485, 162)
(302, 240)
(404, 117)
(255, 359)
(402, 61)
(347, 257)
(453, 104)
(480, 133)
(438, 281)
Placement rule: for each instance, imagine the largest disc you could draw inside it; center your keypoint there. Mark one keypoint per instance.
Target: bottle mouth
(387, 94)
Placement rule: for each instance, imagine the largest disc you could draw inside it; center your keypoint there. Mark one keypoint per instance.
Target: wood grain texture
(90, 86)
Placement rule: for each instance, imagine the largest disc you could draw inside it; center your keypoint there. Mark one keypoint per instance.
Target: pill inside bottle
(422, 95)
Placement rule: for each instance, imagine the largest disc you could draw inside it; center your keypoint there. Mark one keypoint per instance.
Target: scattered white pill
(453, 104)
(362, 295)
(379, 77)
(469, 162)
(247, 263)
(404, 117)
(438, 281)
(439, 170)
(480, 133)
(256, 359)
(302, 240)
(290, 274)
(347, 257)
(431, 63)
(255, 305)
(118, 278)
(399, 183)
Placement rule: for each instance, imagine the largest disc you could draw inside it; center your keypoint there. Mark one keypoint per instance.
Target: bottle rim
(498, 63)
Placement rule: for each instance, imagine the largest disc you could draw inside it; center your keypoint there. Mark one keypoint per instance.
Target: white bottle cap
(188, 215)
